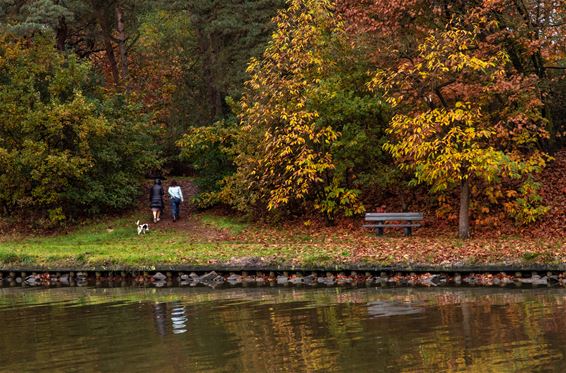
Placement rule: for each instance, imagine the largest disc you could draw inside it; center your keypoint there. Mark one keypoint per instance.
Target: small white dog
(142, 228)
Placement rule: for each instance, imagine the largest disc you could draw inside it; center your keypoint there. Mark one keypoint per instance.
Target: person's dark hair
(158, 181)
(173, 182)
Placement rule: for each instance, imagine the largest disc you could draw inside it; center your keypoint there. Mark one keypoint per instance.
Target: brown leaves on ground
(432, 244)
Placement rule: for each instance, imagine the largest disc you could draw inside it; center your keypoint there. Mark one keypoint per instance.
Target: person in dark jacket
(156, 200)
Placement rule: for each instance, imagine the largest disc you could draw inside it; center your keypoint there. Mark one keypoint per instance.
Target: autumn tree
(289, 157)
(465, 112)
(533, 33)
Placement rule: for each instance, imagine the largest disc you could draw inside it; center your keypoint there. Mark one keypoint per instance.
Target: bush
(66, 147)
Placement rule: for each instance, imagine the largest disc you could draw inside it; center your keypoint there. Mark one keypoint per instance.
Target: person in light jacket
(176, 197)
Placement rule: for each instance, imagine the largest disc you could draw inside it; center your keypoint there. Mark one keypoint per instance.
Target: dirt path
(189, 220)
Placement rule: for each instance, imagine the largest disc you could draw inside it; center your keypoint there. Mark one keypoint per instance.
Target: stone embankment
(215, 279)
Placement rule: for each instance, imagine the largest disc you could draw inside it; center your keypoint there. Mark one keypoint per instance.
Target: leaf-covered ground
(215, 238)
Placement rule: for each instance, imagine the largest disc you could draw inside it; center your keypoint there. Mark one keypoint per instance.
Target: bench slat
(399, 219)
(410, 218)
(392, 215)
(390, 225)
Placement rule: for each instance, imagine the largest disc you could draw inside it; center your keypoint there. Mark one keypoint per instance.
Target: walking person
(156, 200)
(176, 197)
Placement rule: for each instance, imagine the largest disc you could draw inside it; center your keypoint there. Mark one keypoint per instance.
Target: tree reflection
(283, 330)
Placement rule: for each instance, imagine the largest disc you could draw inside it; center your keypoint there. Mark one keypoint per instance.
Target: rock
(296, 280)
(208, 278)
(471, 280)
(234, 279)
(218, 280)
(506, 280)
(282, 280)
(33, 280)
(328, 281)
(552, 279)
(159, 277)
(81, 276)
(248, 279)
(344, 280)
(310, 279)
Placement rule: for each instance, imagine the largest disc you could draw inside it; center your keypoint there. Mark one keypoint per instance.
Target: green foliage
(527, 207)
(338, 199)
(226, 34)
(189, 59)
(306, 120)
(65, 148)
(344, 103)
(208, 150)
(23, 17)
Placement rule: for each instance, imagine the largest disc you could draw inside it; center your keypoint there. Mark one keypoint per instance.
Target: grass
(216, 240)
(117, 243)
(231, 224)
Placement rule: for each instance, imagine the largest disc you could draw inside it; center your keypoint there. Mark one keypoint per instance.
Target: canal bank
(179, 276)
(205, 242)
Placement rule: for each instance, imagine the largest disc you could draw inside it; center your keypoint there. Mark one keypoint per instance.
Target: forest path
(189, 221)
(551, 226)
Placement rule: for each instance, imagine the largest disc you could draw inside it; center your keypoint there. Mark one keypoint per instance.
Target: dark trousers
(175, 207)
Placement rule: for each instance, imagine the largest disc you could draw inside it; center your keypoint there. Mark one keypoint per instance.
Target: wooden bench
(406, 220)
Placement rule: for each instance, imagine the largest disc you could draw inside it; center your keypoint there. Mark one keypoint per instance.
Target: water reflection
(176, 316)
(282, 329)
(384, 309)
(160, 318)
(179, 318)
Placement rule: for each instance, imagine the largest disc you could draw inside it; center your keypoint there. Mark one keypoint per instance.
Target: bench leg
(379, 231)
(408, 231)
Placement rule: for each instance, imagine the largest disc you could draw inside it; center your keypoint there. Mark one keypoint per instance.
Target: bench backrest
(384, 216)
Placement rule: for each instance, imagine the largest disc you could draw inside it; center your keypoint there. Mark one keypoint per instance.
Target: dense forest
(282, 108)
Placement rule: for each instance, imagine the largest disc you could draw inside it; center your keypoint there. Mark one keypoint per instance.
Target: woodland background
(285, 109)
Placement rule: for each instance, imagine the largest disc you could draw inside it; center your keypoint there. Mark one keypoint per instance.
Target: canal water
(282, 330)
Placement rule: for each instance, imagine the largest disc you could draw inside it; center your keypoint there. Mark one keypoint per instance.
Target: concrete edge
(496, 268)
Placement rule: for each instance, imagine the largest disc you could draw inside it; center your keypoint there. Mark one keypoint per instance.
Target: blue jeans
(175, 207)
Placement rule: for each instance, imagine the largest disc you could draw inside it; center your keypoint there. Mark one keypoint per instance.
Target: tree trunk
(106, 31)
(464, 217)
(215, 98)
(62, 32)
(122, 42)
